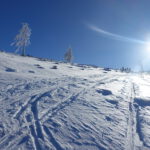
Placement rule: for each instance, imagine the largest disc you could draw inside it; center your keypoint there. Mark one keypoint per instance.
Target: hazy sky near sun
(108, 33)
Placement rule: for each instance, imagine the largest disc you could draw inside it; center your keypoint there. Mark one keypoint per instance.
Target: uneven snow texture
(47, 105)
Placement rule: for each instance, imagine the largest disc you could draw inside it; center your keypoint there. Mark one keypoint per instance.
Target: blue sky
(56, 24)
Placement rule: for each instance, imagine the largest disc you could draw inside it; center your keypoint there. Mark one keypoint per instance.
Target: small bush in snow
(107, 69)
(10, 70)
(30, 71)
(54, 67)
(127, 70)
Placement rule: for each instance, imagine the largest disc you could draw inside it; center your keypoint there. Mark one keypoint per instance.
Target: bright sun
(148, 47)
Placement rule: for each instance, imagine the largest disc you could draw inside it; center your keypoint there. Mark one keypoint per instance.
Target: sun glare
(148, 47)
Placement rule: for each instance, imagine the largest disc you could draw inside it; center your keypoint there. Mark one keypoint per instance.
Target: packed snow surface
(47, 105)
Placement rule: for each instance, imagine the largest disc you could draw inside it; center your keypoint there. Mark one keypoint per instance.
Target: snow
(48, 105)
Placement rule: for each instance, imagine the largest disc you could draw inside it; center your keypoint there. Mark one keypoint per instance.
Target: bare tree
(22, 39)
(69, 55)
(141, 68)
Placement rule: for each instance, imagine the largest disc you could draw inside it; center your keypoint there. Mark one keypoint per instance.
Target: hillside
(47, 105)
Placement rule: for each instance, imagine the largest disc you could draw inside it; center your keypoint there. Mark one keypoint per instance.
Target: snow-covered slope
(48, 105)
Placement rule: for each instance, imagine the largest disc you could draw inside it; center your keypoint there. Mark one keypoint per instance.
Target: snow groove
(38, 94)
(134, 134)
(52, 139)
(132, 117)
(36, 120)
(23, 108)
(139, 139)
(139, 103)
(36, 129)
(53, 111)
(33, 133)
(31, 117)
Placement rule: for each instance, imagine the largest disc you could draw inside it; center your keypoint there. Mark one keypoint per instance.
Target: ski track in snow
(78, 107)
(35, 127)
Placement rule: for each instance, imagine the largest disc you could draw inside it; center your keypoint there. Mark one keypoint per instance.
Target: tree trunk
(23, 51)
